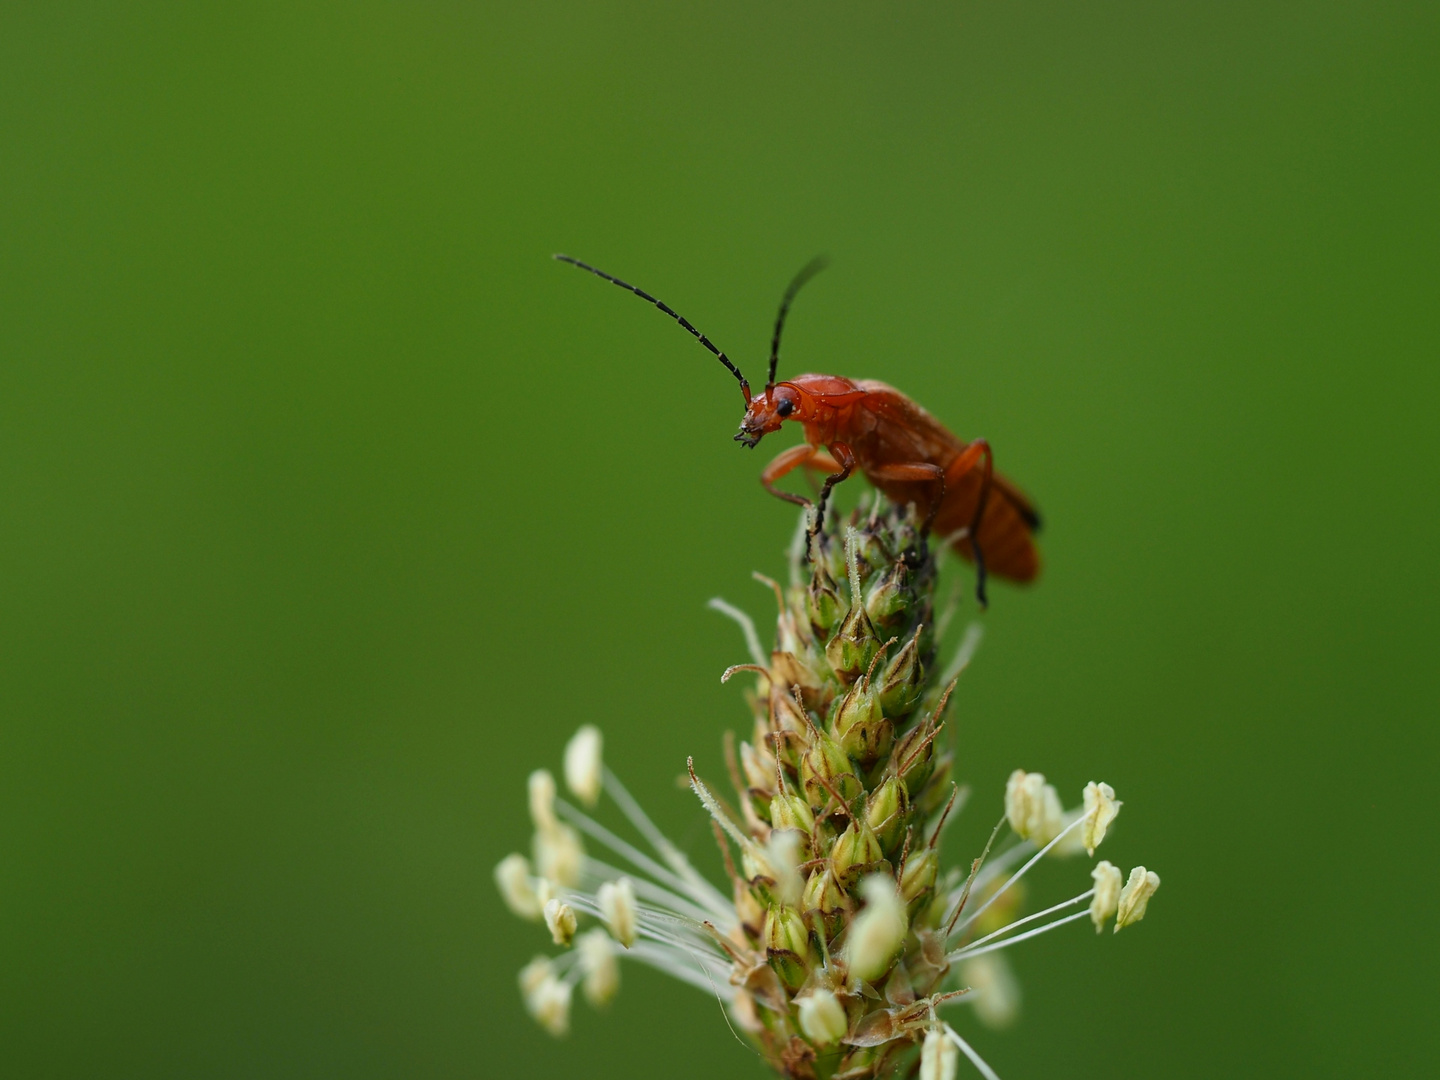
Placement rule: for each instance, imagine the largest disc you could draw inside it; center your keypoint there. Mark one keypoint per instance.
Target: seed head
(840, 934)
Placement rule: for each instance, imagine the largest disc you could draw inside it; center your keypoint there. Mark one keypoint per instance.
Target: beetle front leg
(844, 457)
(787, 462)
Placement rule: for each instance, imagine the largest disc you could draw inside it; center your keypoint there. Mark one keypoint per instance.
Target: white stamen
(1033, 807)
(1017, 876)
(664, 960)
(1100, 810)
(747, 627)
(616, 900)
(541, 787)
(1106, 876)
(878, 931)
(668, 851)
(1021, 922)
(938, 1057)
(600, 967)
(993, 989)
(583, 764)
(560, 919)
(533, 974)
(550, 1004)
(594, 829)
(1136, 896)
(966, 953)
(597, 873)
(513, 879)
(969, 1052)
(558, 854)
(822, 1017)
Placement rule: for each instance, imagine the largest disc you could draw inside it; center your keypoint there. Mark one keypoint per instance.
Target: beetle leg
(845, 458)
(971, 456)
(915, 471)
(788, 461)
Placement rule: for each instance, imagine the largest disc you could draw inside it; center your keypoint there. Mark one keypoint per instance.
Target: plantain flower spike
(843, 942)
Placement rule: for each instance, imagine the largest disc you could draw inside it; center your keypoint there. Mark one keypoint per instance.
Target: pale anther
(939, 1057)
(583, 767)
(878, 931)
(560, 920)
(1100, 810)
(822, 1017)
(1106, 900)
(616, 900)
(1136, 896)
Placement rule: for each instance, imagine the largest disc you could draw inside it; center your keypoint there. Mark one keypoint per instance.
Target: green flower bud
(787, 945)
(823, 603)
(789, 811)
(862, 730)
(825, 761)
(918, 877)
(853, 646)
(859, 707)
(912, 757)
(856, 854)
(890, 601)
(902, 683)
(888, 812)
(823, 897)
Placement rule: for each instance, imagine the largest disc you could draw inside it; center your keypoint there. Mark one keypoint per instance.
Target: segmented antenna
(668, 310)
(810, 269)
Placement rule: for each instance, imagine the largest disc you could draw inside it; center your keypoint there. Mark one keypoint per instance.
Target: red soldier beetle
(902, 450)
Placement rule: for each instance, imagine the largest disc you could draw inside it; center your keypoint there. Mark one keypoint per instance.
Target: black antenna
(668, 310)
(810, 269)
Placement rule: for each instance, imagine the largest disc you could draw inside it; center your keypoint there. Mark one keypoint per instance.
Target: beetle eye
(786, 407)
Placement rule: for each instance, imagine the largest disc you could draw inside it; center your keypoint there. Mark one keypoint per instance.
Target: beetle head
(768, 410)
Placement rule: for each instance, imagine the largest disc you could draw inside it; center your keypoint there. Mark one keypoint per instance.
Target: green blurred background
(331, 506)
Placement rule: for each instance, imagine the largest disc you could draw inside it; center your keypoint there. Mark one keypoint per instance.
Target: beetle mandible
(902, 450)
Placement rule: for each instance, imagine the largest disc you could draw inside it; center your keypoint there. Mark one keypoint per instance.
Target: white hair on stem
(969, 1051)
